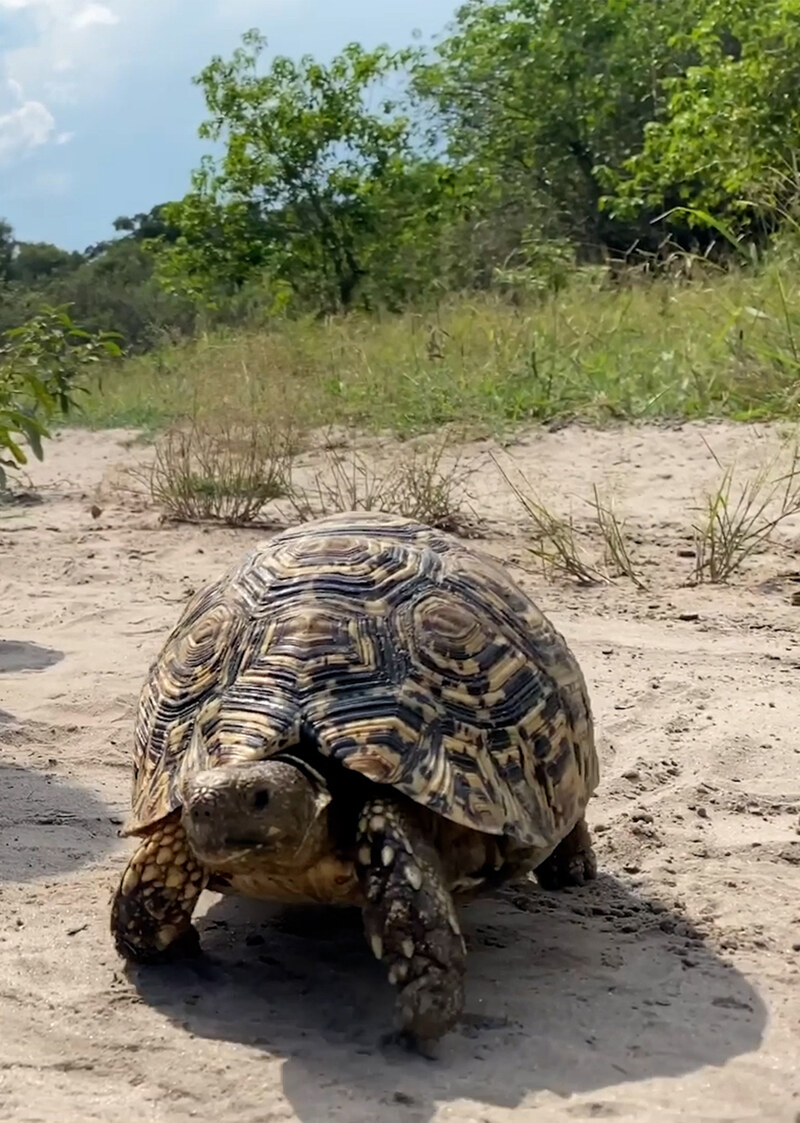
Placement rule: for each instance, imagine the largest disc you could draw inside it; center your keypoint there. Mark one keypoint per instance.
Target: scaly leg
(410, 920)
(152, 909)
(572, 862)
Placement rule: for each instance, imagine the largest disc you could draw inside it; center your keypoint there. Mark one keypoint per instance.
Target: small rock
(95, 511)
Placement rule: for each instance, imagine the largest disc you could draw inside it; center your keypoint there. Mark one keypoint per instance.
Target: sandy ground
(668, 990)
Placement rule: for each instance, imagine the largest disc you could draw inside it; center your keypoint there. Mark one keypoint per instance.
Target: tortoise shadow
(20, 655)
(566, 993)
(47, 826)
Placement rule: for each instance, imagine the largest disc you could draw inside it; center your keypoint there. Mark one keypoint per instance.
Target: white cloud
(76, 52)
(95, 14)
(60, 64)
(27, 125)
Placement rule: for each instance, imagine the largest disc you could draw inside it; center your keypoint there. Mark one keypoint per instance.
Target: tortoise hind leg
(152, 908)
(410, 921)
(573, 861)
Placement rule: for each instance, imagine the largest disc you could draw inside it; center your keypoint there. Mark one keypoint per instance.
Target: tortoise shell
(406, 656)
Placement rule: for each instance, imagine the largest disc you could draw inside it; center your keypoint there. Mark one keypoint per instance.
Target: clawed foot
(185, 947)
(573, 861)
(411, 924)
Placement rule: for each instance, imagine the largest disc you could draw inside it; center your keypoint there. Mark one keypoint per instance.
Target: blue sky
(98, 114)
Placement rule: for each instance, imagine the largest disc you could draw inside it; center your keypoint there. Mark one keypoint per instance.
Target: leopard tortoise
(363, 712)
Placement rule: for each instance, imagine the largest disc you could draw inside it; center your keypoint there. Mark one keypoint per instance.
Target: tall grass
(725, 345)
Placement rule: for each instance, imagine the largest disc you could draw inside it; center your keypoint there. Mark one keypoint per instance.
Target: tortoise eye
(261, 800)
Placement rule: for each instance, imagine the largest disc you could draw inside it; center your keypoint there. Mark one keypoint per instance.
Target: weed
(618, 555)
(736, 521)
(420, 486)
(556, 538)
(222, 473)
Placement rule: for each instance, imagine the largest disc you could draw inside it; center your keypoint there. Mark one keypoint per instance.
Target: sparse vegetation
(217, 470)
(419, 485)
(617, 546)
(225, 472)
(555, 539)
(736, 520)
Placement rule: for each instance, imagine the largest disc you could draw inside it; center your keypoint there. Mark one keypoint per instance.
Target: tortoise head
(270, 810)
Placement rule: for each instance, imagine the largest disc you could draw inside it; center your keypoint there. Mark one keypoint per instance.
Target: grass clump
(737, 520)
(556, 539)
(613, 531)
(225, 472)
(421, 485)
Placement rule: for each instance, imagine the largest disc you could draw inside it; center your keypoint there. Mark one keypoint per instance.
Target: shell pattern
(405, 655)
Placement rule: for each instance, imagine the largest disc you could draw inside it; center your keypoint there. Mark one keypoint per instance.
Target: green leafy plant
(43, 364)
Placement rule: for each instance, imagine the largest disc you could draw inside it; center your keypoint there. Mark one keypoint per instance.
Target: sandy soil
(668, 990)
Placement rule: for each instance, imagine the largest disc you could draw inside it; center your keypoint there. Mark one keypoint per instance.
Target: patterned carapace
(406, 656)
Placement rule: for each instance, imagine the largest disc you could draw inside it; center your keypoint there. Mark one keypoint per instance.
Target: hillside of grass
(724, 345)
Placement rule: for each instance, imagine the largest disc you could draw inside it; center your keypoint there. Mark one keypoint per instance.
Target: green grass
(722, 346)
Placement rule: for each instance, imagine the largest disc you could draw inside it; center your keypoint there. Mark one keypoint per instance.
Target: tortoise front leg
(152, 909)
(410, 920)
(573, 861)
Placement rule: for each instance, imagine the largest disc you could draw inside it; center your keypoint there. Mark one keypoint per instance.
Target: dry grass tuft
(617, 549)
(225, 471)
(737, 520)
(421, 485)
(556, 538)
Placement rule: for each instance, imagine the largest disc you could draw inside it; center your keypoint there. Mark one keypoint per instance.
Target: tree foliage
(543, 101)
(725, 142)
(320, 184)
(531, 134)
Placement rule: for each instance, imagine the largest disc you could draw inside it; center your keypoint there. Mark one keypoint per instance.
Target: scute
(408, 657)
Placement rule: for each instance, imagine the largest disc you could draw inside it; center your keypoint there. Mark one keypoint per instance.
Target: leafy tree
(117, 290)
(726, 141)
(34, 262)
(320, 183)
(543, 101)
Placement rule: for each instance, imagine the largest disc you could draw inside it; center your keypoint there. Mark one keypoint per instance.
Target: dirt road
(669, 990)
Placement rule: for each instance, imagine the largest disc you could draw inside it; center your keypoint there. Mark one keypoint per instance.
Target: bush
(42, 365)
